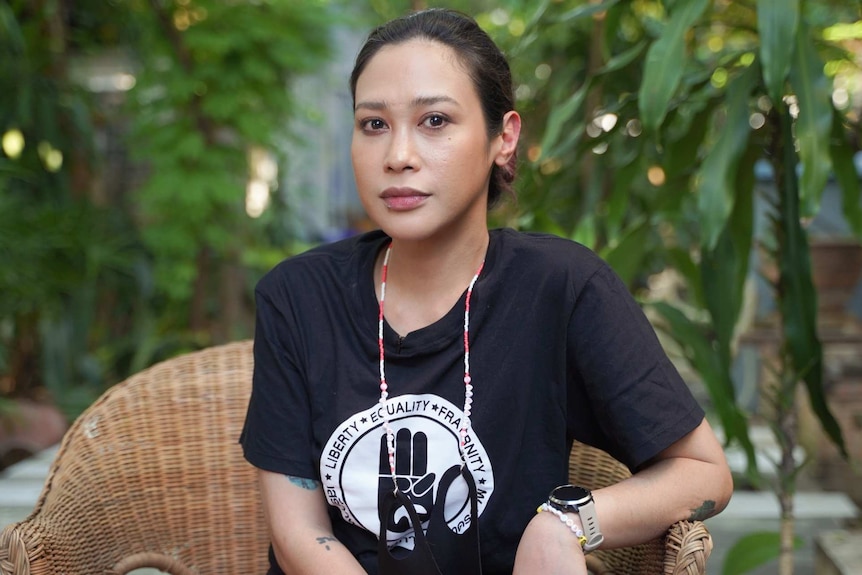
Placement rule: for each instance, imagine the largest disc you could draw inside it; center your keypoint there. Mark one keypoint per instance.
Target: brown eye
(436, 121)
(372, 125)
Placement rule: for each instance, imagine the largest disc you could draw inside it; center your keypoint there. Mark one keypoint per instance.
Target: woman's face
(421, 154)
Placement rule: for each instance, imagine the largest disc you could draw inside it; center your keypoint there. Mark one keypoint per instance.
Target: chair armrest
(688, 545)
(17, 551)
(22, 552)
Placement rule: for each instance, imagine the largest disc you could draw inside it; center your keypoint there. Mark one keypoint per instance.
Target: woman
(417, 389)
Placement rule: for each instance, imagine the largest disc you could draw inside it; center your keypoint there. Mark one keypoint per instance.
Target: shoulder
(546, 255)
(323, 266)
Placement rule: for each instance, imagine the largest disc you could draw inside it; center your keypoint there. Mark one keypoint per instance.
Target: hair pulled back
(484, 62)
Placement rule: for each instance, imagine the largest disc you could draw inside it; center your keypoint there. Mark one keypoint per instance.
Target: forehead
(414, 67)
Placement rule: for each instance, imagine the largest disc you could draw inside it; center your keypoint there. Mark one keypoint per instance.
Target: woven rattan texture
(151, 475)
(683, 551)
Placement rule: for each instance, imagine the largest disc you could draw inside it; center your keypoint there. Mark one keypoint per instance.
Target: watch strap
(587, 513)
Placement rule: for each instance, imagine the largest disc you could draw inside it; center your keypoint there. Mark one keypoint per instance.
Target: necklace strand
(384, 386)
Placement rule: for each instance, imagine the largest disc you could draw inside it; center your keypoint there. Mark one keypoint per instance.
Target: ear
(508, 138)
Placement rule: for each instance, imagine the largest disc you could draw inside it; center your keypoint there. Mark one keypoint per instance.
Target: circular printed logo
(354, 465)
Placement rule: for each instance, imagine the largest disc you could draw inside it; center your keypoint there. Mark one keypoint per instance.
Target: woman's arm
(688, 480)
(300, 528)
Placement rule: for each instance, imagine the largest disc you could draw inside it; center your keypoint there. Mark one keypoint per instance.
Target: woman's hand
(549, 547)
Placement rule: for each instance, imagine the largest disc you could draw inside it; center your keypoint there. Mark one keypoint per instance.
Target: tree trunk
(787, 426)
(590, 186)
(788, 525)
(198, 316)
(232, 320)
(23, 357)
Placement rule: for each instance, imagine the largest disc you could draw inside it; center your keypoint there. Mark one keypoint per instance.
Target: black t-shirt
(559, 350)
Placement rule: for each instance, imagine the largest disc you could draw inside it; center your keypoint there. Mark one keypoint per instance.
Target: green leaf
(846, 175)
(586, 10)
(619, 201)
(10, 31)
(716, 181)
(665, 61)
(725, 267)
(681, 153)
(814, 125)
(585, 231)
(558, 118)
(777, 23)
(622, 60)
(626, 256)
(681, 260)
(797, 299)
(753, 550)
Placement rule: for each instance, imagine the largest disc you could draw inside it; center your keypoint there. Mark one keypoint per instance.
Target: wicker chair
(151, 475)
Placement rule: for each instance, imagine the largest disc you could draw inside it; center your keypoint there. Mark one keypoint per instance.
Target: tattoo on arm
(325, 541)
(705, 511)
(309, 484)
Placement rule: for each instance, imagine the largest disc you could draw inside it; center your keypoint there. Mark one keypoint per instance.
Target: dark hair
(485, 63)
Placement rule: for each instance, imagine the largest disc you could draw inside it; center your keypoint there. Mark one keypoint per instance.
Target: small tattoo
(309, 484)
(325, 540)
(705, 511)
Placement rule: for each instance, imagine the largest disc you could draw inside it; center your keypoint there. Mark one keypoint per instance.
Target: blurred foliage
(211, 85)
(653, 117)
(104, 272)
(644, 121)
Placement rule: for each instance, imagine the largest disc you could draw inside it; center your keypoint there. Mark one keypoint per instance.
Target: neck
(420, 265)
(425, 279)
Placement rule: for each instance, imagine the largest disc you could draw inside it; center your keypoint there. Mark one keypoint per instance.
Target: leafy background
(689, 142)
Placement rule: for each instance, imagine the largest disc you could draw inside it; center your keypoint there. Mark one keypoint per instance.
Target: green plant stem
(788, 527)
(787, 425)
(790, 237)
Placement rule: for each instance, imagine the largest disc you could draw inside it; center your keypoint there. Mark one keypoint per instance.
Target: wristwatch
(575, 499)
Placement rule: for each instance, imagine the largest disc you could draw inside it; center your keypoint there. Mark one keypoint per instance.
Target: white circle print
(354, 465)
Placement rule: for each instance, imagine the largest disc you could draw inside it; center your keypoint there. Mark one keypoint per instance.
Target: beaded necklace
(384, 387)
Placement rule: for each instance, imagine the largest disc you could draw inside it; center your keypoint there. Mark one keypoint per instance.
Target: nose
(401, 154)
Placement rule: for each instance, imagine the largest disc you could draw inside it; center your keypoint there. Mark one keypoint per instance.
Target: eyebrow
(418, 102)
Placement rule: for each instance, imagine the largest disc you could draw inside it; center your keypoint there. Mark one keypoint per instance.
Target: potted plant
(656, 115)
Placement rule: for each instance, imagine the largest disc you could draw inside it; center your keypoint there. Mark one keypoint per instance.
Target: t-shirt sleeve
(639, 402)
(277, 433)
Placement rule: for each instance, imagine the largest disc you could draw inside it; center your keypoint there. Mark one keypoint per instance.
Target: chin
(407, 233)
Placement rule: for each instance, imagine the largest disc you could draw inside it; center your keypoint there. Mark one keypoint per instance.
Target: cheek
(468, 153)
(446, 152)
(359, 157)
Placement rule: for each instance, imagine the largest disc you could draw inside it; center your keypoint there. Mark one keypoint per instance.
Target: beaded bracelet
(565, 519)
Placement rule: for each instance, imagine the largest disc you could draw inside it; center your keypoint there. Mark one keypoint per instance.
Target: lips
(403, 199)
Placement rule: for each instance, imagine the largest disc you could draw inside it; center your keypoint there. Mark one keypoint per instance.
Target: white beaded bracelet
(570, 523)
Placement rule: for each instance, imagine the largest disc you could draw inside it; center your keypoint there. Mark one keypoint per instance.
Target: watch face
(569, 495)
